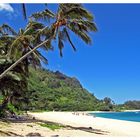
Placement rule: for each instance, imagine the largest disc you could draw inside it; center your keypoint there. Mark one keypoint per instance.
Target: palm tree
(14, 84)
(68, 17)
(71, 17)
(12, 46)
(23, 41)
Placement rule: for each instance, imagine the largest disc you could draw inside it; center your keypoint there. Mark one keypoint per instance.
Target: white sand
(107, 127)
(131, 110)
(22, 129)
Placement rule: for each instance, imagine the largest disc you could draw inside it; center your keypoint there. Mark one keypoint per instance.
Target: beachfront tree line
(19, 49)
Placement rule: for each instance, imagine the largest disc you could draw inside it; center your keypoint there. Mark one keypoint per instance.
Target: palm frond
(48, 46)
(7, 39)
(34, 25)
(62, 34)
(48, 32)
(79, 25)
(1, 33)
(84, 25)
(81, 34)
(42, 58)
(44, 15)
(6, 29)
(67, 35)
(12, 76)
(65, 7)
(24, 11)
(15, 52)
(21, 31)
(34, 61)
(39, 56)
(60, 45)
(36, 39)
(90, 25)
(20, 43)
(78, 13)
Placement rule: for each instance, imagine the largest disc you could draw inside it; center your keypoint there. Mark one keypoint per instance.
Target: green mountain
(48, 90)
(55, 91)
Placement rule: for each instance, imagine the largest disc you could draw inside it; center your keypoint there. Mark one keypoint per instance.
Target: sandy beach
(75, 125)
(101, 126)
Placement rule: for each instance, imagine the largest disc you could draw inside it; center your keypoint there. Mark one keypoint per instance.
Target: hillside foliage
(56, 91)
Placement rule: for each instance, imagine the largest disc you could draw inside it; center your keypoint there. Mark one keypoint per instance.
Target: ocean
(127, 116)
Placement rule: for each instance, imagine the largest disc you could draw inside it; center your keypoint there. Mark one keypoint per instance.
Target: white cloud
(6, 7)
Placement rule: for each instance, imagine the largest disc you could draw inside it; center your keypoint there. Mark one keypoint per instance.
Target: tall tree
(13, 46)
(14, 83)
(72, 17)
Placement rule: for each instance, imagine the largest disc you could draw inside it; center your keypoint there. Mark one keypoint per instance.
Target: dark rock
(55, 136)
(33, 135)
(30, 125)
(90, 127)
(60, 75)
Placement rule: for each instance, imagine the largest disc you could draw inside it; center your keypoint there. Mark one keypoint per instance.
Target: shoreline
(109, 127)
(131, 110)
(111, 111)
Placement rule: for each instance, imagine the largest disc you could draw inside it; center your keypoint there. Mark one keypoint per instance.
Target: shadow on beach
(9, 133)
(29, 119)
(89, 129)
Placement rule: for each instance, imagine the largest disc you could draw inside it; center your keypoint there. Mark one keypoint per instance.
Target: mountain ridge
(58, 92)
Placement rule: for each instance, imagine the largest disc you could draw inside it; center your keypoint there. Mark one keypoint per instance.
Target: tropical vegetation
(19, 50)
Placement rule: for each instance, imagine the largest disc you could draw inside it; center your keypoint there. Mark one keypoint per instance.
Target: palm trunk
(23, 57)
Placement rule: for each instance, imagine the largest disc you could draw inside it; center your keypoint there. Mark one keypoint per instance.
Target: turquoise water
(128, 116)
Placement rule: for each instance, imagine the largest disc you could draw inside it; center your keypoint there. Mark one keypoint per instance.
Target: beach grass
(51, 126)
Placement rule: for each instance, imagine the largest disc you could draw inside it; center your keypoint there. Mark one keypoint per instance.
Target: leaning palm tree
(73, 17)
(12, 46)
(25, 40)
(14, 84)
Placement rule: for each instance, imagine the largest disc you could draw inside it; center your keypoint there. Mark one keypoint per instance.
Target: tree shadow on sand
(68, 127)
(89, 129)
(8, 133)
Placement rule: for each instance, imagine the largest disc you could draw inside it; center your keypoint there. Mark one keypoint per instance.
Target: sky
(110, 67)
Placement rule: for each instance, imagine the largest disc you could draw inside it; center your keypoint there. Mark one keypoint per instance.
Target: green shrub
(12, 109)
(51, 126)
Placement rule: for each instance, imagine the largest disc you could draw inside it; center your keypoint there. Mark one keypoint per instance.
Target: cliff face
(55, 91)
(70, 81)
